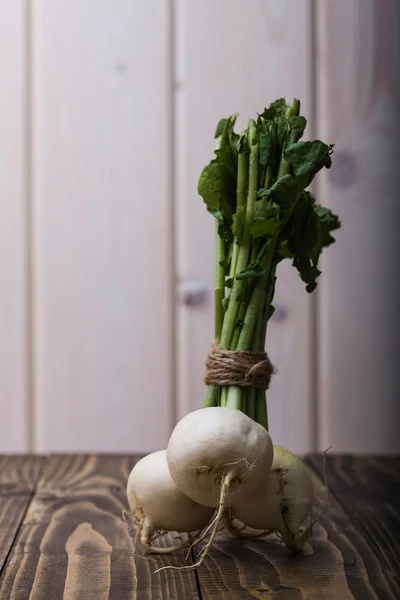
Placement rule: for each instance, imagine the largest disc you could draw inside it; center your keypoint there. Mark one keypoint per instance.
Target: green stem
(259, 396)
(235, 398)
(284, 166)
(224, 396)
(242, 308)
(238, 326)
(257, 297)
(268, 302)
(245, 246)
(212, 396)
(251, 403)
(268, 178)
(219, 289)
(233, 265)
(261, 408)
(234, 259)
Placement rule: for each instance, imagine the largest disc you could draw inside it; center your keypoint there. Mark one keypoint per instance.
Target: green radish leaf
(243, 145)
(328, 219)
(224, 231)
(212, 186)
(253, 270)
(307, 158)
(284, 192)
(228, 137)
(217, 188)
(267, 145)
(284, 250)
(262, 227)
(266, 210)
(226, 157)
(312, 231)
(220, 127)
(266, 218)
(282, 130)
(276, 109)
(269, 151)
(310, 197)
(327, 222)
(297, 126)
(307, 271)
(238, 222)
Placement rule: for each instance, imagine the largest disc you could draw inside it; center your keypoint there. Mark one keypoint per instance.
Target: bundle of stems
(256, 189)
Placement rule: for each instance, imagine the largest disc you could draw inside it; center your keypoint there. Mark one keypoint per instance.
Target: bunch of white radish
(220, 464)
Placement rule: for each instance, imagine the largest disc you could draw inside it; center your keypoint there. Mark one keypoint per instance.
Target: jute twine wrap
(238, 367)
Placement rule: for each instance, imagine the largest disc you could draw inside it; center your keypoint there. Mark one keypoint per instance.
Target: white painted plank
(235, 56)
(102, 225)
(359, 93)
(14, 436)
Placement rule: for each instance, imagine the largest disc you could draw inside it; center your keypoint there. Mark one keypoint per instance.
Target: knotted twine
(241, 368)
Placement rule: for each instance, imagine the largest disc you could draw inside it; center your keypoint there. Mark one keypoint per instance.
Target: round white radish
(283, 503)
(214, 455)
(158, 505)
(217, 444)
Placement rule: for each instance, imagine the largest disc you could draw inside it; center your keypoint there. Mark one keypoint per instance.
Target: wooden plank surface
(368, 488)
(18, 478)
(359, 343)
(74, 543)
(14, 227)
(101, 220)
(254, 53)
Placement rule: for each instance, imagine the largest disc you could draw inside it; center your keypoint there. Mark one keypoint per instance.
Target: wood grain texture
(14, 384)
(368, 488)
(254, 53)
(101, 215)
(75, 544)
(359, 101)
(342, 565)
(18, 478)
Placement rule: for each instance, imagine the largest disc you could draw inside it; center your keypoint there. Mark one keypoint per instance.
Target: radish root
(226, 480)
(147, 535)
(237, 531)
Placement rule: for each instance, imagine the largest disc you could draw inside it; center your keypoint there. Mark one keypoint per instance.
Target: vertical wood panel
(235, 56)
(13, 229)
(358, 98)
(101, 225)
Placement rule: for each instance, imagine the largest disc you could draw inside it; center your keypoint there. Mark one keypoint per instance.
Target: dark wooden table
(62, 535)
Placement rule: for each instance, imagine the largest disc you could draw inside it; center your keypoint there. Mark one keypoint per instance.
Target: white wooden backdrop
(104, 130)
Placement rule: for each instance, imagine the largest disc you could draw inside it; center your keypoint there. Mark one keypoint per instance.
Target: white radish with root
(158, 506)
(216, 456)
(283, 503)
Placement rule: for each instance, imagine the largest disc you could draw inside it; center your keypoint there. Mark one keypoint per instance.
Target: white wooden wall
(14, 230)
(104, 130)
(359, 102)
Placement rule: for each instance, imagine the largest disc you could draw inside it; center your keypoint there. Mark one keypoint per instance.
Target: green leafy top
(285, 211)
